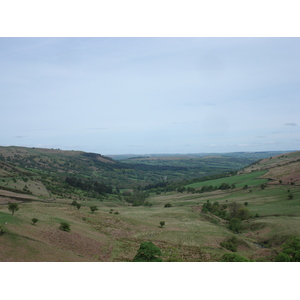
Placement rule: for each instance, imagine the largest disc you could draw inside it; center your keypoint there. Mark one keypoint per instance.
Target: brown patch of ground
(16, 195)
(263, 254)
(76, 243)
(288, 173)
(6, 200)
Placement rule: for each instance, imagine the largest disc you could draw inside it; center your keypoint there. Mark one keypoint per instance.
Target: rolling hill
(36, 179)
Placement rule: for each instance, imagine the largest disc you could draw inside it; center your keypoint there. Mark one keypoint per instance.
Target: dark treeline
(211, 177)
(155, 185)
(87, 185)
(165, 186)
(146, 167)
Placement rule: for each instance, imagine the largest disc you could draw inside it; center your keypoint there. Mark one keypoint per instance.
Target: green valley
(194, 208)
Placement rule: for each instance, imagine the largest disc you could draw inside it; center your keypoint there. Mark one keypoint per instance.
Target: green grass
(9, 218)
(186, 229)
(250, 179)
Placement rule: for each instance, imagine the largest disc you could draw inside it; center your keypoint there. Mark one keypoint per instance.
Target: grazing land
(196, 196)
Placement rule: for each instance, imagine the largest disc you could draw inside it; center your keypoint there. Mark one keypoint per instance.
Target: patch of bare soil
(5, 200)
(77, 243)
(288, 173)
(16, 195)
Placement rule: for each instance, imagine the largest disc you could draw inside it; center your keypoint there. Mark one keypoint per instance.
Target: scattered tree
(13, 207)
(230, 244)
(64, 226)
(93, 208)
(148, 252)
(235, 225)
(233, 208)
(162, 223)
(34, 220)
(243, 213)
(263, 186)
(168, 205)
(78, 205)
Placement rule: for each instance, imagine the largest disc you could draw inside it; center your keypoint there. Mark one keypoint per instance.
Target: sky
(143, 95)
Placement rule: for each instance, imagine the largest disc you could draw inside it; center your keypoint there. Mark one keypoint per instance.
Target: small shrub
(282, 257)
(64, 226)
(78, 205)
(232, 257)
(263, 186)
(168, 205)
(148, 252)
(230, 244)
(162, 223)
(34, 220)
(235, 225)
(74, 203)
(242, 213)
(93, 208)
(1, 231)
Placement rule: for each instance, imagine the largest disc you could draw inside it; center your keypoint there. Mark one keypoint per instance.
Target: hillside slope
(114, 232)
(284, 167)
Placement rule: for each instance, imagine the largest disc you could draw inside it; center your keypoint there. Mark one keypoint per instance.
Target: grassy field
(251, 179)
(115, 231)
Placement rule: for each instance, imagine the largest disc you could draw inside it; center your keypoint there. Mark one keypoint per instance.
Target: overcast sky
(150, 95)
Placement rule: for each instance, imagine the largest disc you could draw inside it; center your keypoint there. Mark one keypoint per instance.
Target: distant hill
(251, 155)
(284, 167)
(42, 173)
